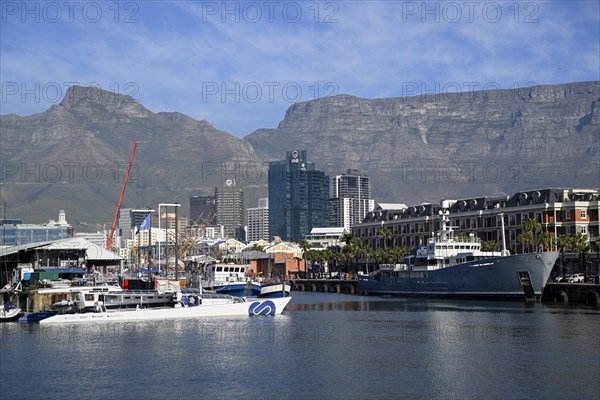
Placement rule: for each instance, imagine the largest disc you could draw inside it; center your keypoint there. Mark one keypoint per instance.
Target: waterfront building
(98, 238)
(559, 211)
(326, 237)
(229, 202)
(14, 233)
(298, 197)
(125, 223)
(258, 221)
(350, 199)
(203, 210)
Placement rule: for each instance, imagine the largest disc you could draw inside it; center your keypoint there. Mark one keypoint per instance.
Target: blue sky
(240, 65)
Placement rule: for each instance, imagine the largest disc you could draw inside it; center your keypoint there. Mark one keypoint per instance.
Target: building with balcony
(559, 211)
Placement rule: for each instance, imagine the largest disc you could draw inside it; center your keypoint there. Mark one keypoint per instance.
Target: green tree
(255, 247)
(564, 242)
(385, 234)
(305, 247)
(527, 240)
(581, 244)
(533, 226)
(545, 242)
(490, 245)
(351, 251)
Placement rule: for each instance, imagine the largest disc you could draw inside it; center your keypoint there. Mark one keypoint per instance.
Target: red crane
(114, 223)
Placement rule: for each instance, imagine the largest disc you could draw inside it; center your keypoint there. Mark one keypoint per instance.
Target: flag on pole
(145, 225)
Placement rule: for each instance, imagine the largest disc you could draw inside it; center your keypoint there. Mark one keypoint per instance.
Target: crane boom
(114, 223)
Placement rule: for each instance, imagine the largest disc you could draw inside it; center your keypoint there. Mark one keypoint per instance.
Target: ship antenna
(504, 251)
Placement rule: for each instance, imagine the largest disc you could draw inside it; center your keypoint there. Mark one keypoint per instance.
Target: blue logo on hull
(266, 307)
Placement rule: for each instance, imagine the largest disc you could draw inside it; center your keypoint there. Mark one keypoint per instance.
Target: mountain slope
(427, 147)
(74, 156)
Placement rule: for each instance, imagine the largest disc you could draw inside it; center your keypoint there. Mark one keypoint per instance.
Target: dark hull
(518, 277)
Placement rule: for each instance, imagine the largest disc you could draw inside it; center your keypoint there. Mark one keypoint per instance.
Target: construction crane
(114, 223)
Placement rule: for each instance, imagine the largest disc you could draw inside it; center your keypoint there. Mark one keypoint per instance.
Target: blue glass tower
(298, 197)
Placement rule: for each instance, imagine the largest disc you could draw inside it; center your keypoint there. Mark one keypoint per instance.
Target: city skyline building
(203, 210)
(257, 221)
(298, 197)
(350, 199)
(229, 202)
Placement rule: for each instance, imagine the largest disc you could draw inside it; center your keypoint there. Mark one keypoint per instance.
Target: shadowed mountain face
(424, 148)
(74, 155)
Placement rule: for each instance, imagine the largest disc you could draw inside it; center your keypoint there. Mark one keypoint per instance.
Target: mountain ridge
(415, 149)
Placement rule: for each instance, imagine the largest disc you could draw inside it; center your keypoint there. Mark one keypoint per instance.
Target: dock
(584, 293)
(587, 293)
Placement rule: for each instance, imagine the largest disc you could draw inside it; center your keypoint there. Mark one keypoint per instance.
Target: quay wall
(349, 286)
(559, 292)
(586, 293)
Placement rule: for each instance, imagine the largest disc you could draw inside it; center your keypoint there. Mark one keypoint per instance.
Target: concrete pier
(586, 293)
(325, 285)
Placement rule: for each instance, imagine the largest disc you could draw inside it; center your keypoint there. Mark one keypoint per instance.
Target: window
(568, 215)
(583, 230)
(582, 214)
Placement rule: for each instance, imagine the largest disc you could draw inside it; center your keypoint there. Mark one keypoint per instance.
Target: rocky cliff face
(416, 149)
(452, 145)
(74, 156)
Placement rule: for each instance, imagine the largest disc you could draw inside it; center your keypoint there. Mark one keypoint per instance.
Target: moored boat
(8, 311)
(457, 267)
(191, 305)
(274, 289)
(230, 279)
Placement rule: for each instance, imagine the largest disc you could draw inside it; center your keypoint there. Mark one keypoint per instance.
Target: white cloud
(373, 50)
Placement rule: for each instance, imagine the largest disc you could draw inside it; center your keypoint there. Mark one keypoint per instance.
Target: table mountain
(427, 147)
(73, 156)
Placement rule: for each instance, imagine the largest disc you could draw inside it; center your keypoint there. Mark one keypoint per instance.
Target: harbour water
(323, 346)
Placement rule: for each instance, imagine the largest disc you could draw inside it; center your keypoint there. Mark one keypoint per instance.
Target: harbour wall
(586, 293)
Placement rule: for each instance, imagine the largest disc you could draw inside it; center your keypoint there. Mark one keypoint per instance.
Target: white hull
(258, 307)
(272, 291)
(12, 313)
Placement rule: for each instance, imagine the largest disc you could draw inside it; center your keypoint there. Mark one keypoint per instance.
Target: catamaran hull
(251, 308)
(517, 277)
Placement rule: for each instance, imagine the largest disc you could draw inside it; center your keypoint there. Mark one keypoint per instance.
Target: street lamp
(148, 212)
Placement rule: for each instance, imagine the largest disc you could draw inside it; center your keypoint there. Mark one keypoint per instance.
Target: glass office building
(298, 197)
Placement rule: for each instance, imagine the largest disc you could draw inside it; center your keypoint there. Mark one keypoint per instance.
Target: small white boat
(189, 306)
(8, 311)
(230, 279)
(274, 289)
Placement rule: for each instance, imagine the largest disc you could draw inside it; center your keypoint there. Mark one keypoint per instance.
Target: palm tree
(564, 242)
(351, 251)
(490, 245)
(545, 241)
(526, 239)
(386, 235)
(305, 247)
(533, 226)
(347, 237)
(581, 245)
